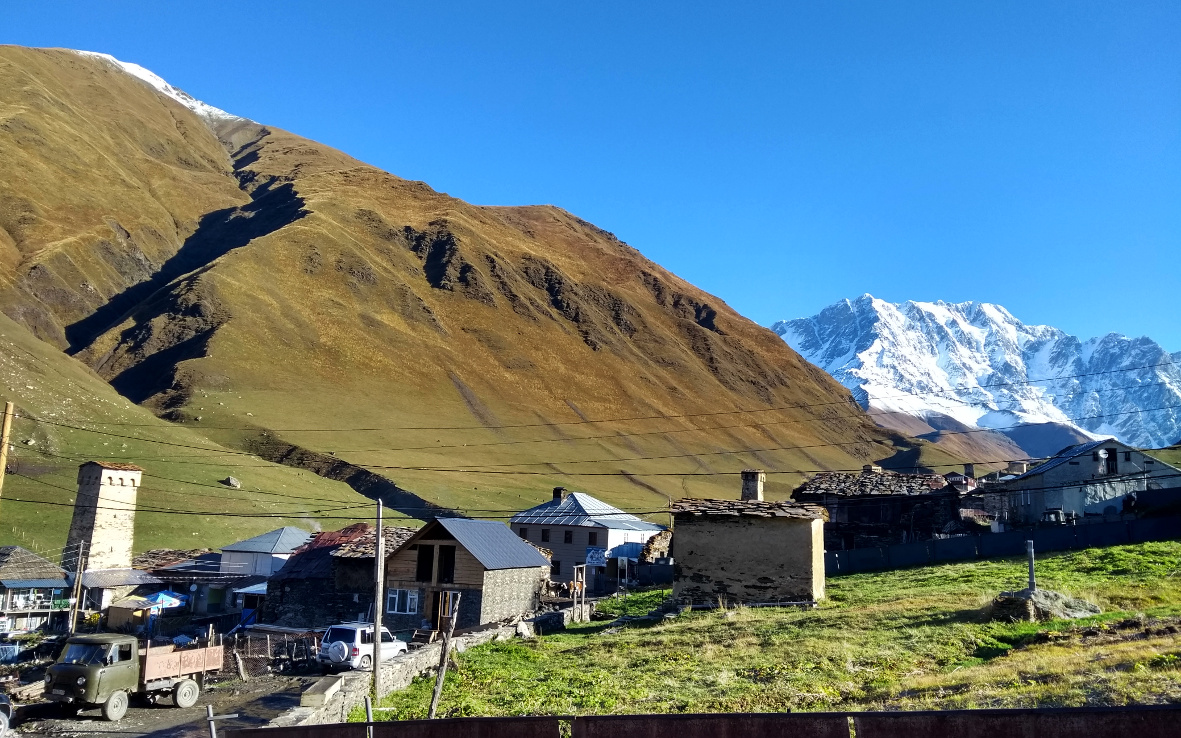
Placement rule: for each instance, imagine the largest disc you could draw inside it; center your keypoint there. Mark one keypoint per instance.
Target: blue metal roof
(580, 509)
(1064, 456)
(493, 544)
(279, 541)
(23, 583)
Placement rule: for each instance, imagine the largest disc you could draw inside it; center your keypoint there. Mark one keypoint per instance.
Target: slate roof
(279, 541)
(114, 465)
(857, 484)
(363, 546)
(493, 544)
(157, 558)
(1064, 456)
(580, 509)
(20, 567)
(313, 560)
(688, 509)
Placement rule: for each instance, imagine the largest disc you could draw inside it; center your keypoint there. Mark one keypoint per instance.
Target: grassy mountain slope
(459, 350)
(61, 402)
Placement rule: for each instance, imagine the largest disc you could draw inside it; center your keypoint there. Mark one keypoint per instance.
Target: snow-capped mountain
(976, 363)
(205, 110)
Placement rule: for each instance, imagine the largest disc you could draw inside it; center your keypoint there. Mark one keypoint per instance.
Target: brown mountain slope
(457, 349)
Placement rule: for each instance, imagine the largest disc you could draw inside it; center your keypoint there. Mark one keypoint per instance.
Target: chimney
(559, 493)
(871, 469)
(970, 471)
(752, 484)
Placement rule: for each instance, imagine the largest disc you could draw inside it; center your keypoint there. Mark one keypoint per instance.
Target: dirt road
(256, 702)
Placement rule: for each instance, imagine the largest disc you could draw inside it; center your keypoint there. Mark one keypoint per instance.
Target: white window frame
(411, 601)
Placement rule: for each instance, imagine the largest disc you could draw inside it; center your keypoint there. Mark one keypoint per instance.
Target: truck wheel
(185, 694)
(115, 707)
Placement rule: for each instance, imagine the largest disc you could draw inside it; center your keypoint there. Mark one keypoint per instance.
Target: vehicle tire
(186, 693)
(115, 707)
(366, 663)
(3, 725)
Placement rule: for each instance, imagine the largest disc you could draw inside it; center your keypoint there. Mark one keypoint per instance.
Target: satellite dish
(1103, 453)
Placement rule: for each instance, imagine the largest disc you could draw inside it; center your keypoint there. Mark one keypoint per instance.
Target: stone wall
(309, 603)
(510, 593)
(748, 559)
(396, 674)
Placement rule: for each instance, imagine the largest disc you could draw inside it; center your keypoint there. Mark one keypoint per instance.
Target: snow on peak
(975, 362)
(206, 111)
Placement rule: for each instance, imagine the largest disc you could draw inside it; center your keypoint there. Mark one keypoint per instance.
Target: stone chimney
(103, 524)
(752, 484)
(559, 493)
(871, 469)
(970, 471)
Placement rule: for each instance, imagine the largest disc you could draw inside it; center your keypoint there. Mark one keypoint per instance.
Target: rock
(525, 629)
(30, 442)
(1041, 604)
(232, 482)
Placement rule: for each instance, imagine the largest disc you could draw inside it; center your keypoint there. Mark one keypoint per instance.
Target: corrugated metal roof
(107, 578)
(1063, 457)
(580, 509)
(17, 563)
(493, 544)
(21, 583)
(279, 541)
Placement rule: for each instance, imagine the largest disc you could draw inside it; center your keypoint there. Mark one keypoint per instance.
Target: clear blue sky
(781, 156)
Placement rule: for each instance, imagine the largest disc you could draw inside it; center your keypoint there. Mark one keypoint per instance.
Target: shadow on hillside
(217, 234)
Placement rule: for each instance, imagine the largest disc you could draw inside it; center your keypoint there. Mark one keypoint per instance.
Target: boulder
(232, 482)
(1040, 604)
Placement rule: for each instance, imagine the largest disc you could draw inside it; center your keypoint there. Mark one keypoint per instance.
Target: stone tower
(103, 525)
(752, 484)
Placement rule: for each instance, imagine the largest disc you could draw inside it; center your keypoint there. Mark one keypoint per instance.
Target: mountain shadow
(218, 233)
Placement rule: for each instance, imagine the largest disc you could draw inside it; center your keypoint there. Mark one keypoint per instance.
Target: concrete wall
(748, 559)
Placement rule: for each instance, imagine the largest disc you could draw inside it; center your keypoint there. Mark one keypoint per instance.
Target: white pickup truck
(350, 646)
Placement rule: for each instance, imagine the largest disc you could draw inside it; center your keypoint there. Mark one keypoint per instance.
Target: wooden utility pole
(445, 653)
(75, 605)
(378, 593)
(5, 432)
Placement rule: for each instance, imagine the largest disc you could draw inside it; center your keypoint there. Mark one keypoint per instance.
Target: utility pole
(444, 654)
(1029, 553)
(79, 567)
(378, 593)
(5, 432)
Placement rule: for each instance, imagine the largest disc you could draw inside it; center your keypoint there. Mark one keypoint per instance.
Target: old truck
(104, 669)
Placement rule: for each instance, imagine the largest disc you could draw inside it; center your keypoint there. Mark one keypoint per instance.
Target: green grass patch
(911, 639)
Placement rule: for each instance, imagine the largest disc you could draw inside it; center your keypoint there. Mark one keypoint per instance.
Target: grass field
(912, 639)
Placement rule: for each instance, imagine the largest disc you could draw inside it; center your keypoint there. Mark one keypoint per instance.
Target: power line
(945, 392)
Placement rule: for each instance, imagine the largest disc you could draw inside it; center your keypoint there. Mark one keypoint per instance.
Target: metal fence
(1113, 722)
(993, 545)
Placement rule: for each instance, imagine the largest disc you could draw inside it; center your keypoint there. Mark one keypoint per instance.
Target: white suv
(350, 646)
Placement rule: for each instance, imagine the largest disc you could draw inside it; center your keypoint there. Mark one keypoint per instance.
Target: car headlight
(81, 680)
(48, 678)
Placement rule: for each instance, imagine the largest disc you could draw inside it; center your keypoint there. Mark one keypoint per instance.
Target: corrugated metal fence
(992, 545)
(1113, 722)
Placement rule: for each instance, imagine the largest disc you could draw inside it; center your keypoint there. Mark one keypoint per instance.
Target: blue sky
(781, 156)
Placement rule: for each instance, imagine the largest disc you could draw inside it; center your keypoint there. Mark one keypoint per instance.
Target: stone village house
(879, 508)
(498, 575)
(1097, 479)
(749, 550)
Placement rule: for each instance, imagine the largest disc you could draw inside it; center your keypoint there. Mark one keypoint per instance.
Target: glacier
(976, 363)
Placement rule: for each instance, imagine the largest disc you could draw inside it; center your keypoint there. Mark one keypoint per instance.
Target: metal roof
(23, 583)
(580, 509)
(17, 563)
(493, 544)
(107, 578)
(279, 541)
(1064, 456)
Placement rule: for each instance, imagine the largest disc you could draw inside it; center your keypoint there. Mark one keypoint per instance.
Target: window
(1127, 455)
(386, 636)
(426, 563)
(124, 653)
(568, 537)
(545, 535)
(524, 532)
(592, 539)
(1112, 461)
(446, 564)
(402, 601)
(555, 568)
(367, 637)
